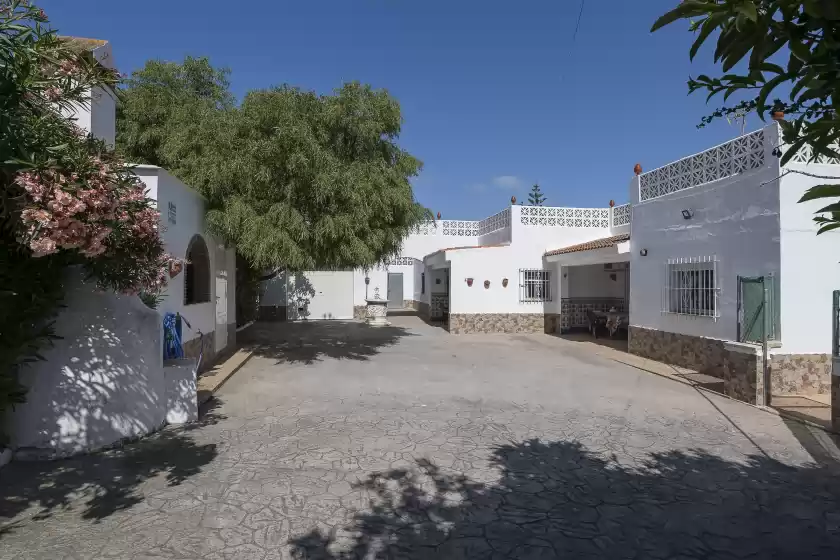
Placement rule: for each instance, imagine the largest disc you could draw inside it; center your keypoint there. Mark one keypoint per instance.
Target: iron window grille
(534, 285)
(691, 287)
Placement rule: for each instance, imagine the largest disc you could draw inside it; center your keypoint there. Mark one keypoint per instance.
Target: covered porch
(434, 306)
(594, 287)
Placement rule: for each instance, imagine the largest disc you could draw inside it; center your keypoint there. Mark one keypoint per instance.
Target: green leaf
(770, 67)
(709, 25)
(828, 227)
(672, 16)
(821, 191)
(801, 83)
(761, 102)
(747, 9)
(833, 207)
(801, 51)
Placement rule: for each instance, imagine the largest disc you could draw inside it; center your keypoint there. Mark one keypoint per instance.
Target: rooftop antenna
(740, 115)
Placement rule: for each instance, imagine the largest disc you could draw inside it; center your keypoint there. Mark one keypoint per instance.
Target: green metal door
(751, 309)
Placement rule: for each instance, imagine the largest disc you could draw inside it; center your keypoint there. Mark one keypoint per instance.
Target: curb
(212, 381)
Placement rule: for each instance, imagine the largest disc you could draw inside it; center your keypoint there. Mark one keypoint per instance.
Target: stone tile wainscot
(469, 323)
(800, 374)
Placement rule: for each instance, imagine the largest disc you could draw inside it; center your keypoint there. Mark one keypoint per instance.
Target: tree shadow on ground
(559, 500)
(103, 483)
(308, 342)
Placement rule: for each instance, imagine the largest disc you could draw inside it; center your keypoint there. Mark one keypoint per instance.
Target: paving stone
(404, 443)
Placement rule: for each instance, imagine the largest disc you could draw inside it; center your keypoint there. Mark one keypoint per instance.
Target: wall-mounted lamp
(504, 282)
(469, 282)
(486, 284)
(367, 280)
(643, 252)
(687, 214)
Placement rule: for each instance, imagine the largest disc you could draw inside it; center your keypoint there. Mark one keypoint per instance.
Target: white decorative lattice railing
(494, 222)
(564, 217)
(456, 228)
(459, 228)
(621, 215)
(803, 155)
(401, 261)
(743, 154)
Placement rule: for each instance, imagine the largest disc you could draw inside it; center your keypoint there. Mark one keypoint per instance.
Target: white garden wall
(101, 382)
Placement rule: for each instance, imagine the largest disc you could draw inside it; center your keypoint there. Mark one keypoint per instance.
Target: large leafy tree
(293, 179)
(162, 94)
(765, 47)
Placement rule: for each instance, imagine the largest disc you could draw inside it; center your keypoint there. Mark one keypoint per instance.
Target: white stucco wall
(103, 107)
(378, 279)
(417, 288)
(493, 264)
(97, 115)
(418, 246)
(810, 265)
(593, 281)
(534, 241)
(101, 382)
(735, 219)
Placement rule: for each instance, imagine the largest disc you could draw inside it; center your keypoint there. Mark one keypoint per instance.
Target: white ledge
(743, 347)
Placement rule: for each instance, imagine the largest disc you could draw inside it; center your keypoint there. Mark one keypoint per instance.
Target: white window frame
(692, 287)
(534, 285)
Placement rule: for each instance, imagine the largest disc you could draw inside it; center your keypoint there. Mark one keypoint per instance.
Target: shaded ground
(345, 442)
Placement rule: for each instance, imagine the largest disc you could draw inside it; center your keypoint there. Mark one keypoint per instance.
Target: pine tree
(536, 197)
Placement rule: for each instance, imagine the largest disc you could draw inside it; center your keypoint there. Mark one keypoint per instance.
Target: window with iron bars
(534, 285)
(691, 287)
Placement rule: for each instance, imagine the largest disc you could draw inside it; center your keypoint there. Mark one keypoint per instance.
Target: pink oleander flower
(42, 247)
(63, 198)
(67, 68)
(53, 93)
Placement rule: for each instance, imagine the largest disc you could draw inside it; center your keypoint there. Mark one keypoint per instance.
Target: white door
(221, 309)
(317, 295)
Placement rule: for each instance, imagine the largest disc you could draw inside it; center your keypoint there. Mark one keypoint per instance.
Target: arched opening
(197, 272)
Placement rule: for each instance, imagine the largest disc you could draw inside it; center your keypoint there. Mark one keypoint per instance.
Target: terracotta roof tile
(82, 44)
(602, 243)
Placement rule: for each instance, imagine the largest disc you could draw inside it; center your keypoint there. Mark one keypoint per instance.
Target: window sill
(196, 303)
(691, 315)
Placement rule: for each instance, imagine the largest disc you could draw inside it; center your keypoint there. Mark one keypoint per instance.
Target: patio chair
(595, 321)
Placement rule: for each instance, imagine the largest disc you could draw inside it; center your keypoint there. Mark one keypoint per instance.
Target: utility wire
(789, 171)
(577, 28)
(577, 25)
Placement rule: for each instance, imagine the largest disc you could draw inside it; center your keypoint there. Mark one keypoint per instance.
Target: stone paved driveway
(340, 441)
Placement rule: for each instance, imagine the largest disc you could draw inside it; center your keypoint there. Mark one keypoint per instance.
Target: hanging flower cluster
(101, 213)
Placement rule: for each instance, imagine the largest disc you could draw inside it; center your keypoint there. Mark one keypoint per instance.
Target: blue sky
(494, 94)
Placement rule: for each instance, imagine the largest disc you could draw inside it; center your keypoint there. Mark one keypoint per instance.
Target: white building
(687, 258)
(482, 276)
(105, 379)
